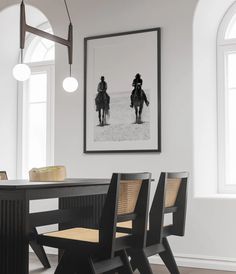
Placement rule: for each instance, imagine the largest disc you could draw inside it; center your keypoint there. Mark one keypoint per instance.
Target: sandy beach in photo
(121, 126)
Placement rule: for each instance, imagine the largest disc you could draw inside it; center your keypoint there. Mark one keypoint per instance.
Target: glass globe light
(70, 84)
(21, 72)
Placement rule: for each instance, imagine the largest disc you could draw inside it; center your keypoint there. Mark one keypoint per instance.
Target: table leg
(14, 250)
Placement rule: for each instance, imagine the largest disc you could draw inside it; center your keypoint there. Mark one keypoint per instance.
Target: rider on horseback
(137, 84)
(102, 91)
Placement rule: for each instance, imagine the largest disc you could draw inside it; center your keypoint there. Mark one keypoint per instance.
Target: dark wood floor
(184, 270)
(35, 268)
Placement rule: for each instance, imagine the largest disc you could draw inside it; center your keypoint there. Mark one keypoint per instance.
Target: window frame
(224, 47)
(49, 67)
(37, 67)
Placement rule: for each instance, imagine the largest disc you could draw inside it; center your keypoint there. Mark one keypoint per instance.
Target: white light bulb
(70, 84)
(21, 72)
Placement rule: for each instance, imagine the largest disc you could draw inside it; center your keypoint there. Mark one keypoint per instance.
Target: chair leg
(133, 260)
(168, 258)
(40, 252)
(140, 261)
(85, 266)
(91, 265)
(127, 268)
(68, 264)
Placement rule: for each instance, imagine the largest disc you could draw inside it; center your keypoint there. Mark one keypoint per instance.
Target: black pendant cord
(67, 10)
(70, 70)
(21, 55)
(68, 13)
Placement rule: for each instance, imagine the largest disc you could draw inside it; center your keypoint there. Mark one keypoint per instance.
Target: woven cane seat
(127, 224)
(80, 234)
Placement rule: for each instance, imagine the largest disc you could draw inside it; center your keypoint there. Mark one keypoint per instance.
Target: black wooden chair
(103, 250)
(38, 249)
(170, 198)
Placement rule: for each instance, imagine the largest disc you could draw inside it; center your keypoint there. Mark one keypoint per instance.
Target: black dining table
(87, 195)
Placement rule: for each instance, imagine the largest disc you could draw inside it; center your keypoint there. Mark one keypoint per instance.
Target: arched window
(40, 49)
(36, 105)
(226, 64)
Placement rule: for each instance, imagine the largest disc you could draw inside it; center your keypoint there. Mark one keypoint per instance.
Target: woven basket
(48, 174)
(3, 175)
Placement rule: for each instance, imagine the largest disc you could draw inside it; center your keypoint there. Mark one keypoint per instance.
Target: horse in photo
(138, 97)
(102, 102)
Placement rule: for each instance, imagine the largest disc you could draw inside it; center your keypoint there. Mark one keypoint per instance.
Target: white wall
(104, 17)
(8, 95)
(210, 231)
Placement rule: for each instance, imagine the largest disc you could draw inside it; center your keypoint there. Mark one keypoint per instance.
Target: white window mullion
(25, 135)
(224, 149)
(50, 116)
(221, 120)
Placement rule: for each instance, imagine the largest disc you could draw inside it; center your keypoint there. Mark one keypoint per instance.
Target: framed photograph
(122, 98)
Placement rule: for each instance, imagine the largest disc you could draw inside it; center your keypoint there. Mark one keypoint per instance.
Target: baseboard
(198, 261)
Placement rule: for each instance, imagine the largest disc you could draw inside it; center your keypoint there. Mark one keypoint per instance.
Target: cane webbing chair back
(127, 200)
(128, 196)
(172, 190)
(3, 175)
(170, 197)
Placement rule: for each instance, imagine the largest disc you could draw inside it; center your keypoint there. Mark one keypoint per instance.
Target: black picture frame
(87, 90)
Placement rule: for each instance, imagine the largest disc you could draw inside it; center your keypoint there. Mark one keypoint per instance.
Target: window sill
(217, 196)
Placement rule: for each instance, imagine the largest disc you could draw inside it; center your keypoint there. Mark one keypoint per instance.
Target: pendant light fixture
(22, 71)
